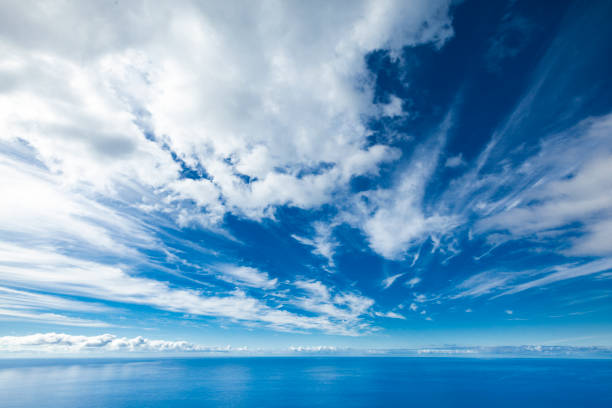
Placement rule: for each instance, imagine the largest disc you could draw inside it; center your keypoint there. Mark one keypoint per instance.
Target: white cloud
(413, 307)
(245, 275)
(388, 281)
(393, 219)
(103, 108)
(313, 349)
(270, 93)
(38, 269)
(561, 273)
(66, 343)
(393, 108)
(344, 306)
(390, 315)
(323, 242)
(23, 300)
(413, 282)
(50, 318)
(505, 283)
(30, 306)
(483, 283)
(564, 184)
(38, 208)
(455, 161)
(509, 312)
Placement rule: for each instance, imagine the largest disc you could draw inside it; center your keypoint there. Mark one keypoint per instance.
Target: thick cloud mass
(265, 102)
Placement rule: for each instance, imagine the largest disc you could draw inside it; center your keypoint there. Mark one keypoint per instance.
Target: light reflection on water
(305, 382)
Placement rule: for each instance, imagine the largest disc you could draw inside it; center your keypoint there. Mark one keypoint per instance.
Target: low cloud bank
(61, 343)
(66, 343)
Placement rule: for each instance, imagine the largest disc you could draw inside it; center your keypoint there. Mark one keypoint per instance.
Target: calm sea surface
(306, 382)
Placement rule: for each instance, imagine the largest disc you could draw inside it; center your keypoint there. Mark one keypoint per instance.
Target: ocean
(306, 382)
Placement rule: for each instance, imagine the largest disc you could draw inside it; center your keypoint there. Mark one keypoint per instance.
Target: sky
(305, 176)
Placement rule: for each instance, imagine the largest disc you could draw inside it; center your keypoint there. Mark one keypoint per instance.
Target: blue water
(306, 382)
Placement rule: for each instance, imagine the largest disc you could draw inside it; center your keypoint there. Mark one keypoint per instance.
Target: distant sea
(339, 382)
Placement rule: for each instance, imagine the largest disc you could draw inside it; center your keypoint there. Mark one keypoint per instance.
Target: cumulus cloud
(313, 349)
(66, 343)
(265, 103)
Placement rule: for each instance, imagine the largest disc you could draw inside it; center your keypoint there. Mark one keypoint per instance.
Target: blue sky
(367, 175)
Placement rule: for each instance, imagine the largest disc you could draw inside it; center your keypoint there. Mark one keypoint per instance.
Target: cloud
(413, 282)
(313, 349)
(497, 283)
(390, 315)
(38, 208)
(483, 283)
(561, 273)
(393, 108)
(244, 99)
(455, 161)
(118, 129)
(393, 219)
(323, 242)
(19, 299)
(42, 270)
(66, 343)
(343, 306)
(50, 318)
(566, 184)
(245, 275)
(522, 351)
(388, 281)
(29, 306)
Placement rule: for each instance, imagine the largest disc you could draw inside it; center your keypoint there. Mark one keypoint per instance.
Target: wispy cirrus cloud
(323, 242)
(394, 219)
(49, 318)
(502, 283)
(388, 281)
(247, 276)
(37, 269)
